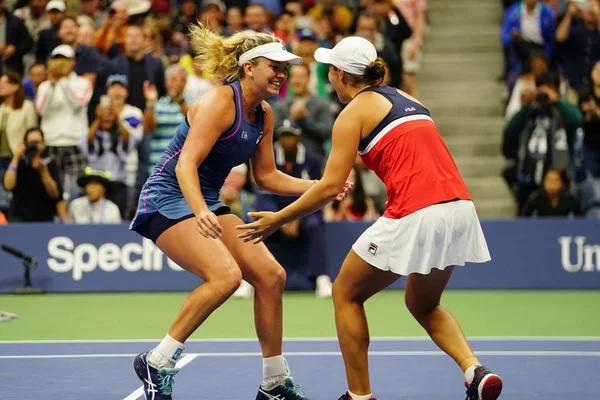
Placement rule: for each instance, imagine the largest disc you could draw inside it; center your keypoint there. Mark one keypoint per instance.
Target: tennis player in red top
(429, 226)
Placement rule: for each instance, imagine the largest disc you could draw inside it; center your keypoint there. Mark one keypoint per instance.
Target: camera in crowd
(31, 151)
(548, 79)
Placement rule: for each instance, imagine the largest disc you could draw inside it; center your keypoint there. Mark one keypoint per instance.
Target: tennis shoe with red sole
(485, 386)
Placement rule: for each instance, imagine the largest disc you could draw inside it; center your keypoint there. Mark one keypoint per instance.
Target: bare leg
(422, 297)
(261, 270)
(356, 282)
(184, 245)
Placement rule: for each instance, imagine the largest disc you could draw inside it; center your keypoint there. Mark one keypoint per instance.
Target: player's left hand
(259, 230)
(346, 190)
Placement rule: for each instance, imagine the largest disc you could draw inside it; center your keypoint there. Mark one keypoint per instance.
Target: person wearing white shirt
(62, 103)
(94, 207)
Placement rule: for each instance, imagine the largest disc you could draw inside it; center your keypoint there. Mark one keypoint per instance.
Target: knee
(341, 294)
(419, 308)
(227, 282)
(272, 279)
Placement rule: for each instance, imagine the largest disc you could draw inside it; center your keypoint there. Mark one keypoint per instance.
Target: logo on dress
(259, 137)
(244, 135)
(410, 109)
(372, 248)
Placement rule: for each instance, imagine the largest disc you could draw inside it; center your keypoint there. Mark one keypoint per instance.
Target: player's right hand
(208, 225)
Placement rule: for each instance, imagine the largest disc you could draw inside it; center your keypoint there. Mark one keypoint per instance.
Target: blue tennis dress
(161, 192)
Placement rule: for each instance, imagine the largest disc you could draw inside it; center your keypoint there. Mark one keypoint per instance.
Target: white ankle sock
(357, 397)
(275, 370)
(470, 373)
(166, 353)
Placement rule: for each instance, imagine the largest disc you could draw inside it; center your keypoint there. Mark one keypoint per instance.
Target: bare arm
(212, 114)
(345, 141)
(562, 31)
(49, 183)
(264, 170)
(346, 138)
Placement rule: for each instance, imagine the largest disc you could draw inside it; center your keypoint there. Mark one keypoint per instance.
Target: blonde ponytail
(219, 56)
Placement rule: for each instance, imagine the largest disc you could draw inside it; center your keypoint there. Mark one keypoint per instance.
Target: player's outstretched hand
(346, 190)
(208, 225)
(258, 231)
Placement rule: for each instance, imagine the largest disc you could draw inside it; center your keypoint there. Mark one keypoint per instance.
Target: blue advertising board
(526, 254)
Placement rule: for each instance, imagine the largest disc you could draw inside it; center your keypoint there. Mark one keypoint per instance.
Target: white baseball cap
(63, 50)
(56, 5)
(273, 51)
(352, 54)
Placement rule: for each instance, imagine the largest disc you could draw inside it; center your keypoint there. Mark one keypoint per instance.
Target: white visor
(273, 51)
(352, 54)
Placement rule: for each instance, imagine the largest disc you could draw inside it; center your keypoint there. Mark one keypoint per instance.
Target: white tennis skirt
(434, 237)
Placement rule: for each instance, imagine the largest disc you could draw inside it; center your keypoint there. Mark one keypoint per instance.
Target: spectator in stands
(590, 107)
(256, 18)
(35, 18)
(17, 114)
(15, 42)
(163, 117)
(413, 12)
(234, 21)
(342, 16)
(62, 103)
(233, 194)
(131, 119)
(540, 135)
(285, 27)
(87, 59)
(110, 38)
(154, 45)
(110, 142)
(309, 112)
(86, 35)
(373, 186)
(33, 179)
(91, 9)
(188, 10)
(196, 84)
(213, 14)
(141, 70)
(37, 75)
(578, 37)
(525, 87)
(48, 38)
(553, 199)
(366, 26)
(528, 25)
(356, 207)
(307, 43)
(94, 207)
(293, 158)
(390, 22)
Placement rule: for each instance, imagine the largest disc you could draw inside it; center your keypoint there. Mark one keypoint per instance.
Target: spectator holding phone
(33, 179)
(110, 141)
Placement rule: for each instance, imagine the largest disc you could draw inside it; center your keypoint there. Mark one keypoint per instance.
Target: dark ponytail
(373, 75)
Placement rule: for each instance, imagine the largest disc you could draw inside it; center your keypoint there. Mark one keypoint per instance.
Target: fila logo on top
(410, 109)
(372, 248)
(244, 135)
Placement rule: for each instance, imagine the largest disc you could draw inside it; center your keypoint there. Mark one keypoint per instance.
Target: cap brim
(323, 55)
(282, 56)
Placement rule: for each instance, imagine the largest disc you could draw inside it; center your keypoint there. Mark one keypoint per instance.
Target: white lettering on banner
(588, 256)
(64, 256)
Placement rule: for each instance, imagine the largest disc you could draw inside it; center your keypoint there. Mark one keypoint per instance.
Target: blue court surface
(401, 369)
